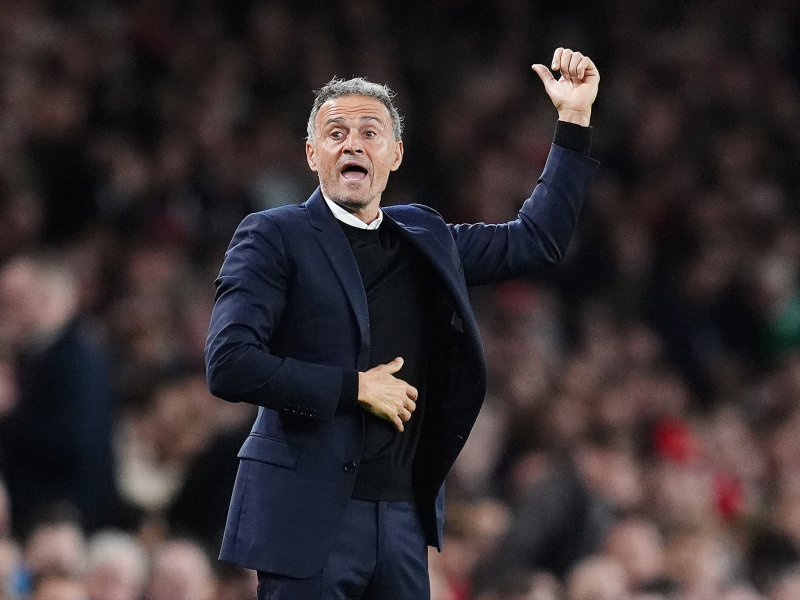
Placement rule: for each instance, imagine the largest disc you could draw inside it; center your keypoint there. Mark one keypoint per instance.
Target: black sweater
(398, 282)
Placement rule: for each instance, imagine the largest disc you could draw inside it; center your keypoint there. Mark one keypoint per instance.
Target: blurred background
(641, 437)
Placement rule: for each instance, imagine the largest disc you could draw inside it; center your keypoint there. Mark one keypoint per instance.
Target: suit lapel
(337, 249)
(430, 247)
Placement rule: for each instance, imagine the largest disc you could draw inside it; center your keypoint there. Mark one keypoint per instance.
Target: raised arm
(540, 234)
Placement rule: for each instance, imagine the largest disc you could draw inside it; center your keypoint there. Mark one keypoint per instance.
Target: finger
(591, 70)
(395, 365)
(404, 415)
(412, 392)
(410, 406)
(544, 74)
(556, 64)
(398, 424)
(566, 56)
(573, 64)
(582, 66)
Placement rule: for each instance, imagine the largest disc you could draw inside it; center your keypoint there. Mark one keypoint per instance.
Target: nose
(353, 143)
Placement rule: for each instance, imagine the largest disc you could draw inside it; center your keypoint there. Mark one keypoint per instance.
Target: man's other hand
(386, 396)
(574, 93)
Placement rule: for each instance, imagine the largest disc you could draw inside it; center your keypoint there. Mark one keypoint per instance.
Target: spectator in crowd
(157, 439)
(637, 544)
(598, 578)
(55, 442)
(117, 567)
(181, 571)
(175, 455)
(200, 506)
(55, 547)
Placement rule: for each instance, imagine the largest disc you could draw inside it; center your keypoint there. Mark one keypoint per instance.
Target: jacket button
(349, 467)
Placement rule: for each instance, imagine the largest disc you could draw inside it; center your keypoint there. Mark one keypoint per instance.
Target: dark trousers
(380, 554)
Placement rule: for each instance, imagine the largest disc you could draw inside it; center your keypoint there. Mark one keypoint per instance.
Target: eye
(370, 134)
(337, 134)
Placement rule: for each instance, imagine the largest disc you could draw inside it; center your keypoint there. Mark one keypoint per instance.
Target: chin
(351, 202)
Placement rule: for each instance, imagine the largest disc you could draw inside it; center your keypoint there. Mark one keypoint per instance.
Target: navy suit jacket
(290, 318)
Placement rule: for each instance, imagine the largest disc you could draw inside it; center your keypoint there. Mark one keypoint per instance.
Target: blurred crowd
(641, 437)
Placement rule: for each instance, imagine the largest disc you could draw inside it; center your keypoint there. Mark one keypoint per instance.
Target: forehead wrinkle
(339, 113)
(341, 120)
(373, 118)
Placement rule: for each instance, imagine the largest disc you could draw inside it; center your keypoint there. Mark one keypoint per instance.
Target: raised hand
(574, 93)
(386, 396)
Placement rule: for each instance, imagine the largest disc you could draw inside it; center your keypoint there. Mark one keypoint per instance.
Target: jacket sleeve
(540, 234)
(252, 291)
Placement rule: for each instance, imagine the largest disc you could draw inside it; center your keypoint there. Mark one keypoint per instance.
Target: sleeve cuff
(348, 397)
(573, 137)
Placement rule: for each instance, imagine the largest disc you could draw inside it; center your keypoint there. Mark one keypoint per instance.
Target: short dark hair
(358, 86)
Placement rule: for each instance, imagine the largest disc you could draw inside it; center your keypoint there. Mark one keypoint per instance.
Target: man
(350, 326)
(55, 444)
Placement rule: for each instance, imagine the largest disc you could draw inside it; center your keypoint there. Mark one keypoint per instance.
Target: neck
(363, 212)
(368, 214)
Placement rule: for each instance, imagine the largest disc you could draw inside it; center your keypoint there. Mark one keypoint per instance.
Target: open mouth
(354, 172)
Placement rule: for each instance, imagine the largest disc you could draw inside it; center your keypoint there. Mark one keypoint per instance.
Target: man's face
(354, 150)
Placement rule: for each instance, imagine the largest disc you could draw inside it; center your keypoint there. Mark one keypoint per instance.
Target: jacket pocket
(270, 450)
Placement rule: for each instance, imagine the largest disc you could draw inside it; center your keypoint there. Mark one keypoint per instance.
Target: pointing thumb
(544, 74)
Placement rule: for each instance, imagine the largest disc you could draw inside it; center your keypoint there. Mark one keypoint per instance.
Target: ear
(398, 155)
(311, 156)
